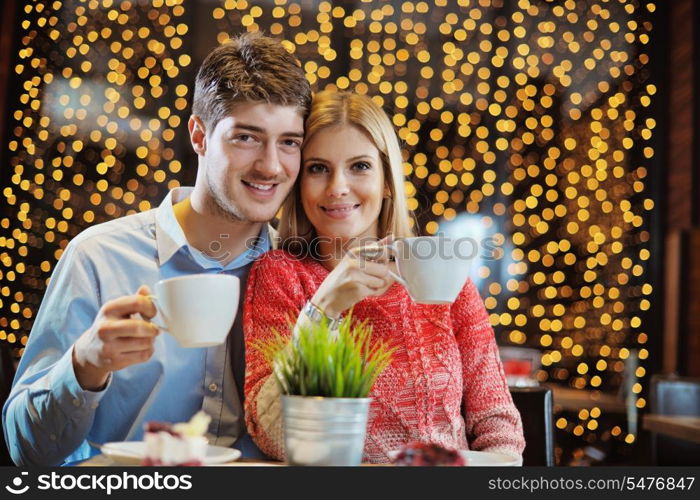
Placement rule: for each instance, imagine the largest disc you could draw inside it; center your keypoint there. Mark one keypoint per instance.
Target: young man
(95, 367)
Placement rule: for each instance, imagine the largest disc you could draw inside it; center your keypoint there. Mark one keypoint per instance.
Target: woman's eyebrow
(314, 159)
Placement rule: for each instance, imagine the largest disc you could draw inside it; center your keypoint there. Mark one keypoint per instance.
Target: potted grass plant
(326, 376)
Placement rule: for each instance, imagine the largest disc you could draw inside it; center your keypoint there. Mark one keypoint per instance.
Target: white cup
(199, 309)
(433, 268)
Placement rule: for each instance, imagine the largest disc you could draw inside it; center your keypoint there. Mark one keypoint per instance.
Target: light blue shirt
(48, 417)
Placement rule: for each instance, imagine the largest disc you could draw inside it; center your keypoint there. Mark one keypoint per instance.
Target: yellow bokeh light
(519, 122)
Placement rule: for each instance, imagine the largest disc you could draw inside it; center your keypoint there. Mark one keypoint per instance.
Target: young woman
(445, 383)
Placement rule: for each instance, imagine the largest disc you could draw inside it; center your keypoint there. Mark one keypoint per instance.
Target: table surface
(105, 461)
(681, 427)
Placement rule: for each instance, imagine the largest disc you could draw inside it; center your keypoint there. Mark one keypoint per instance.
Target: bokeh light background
(527, 122)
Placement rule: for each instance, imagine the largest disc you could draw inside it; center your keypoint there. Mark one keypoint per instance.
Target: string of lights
(525, 121)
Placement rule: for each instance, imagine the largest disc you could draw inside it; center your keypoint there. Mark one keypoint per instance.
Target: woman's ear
(387, 191)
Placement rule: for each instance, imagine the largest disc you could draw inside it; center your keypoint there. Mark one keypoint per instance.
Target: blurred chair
(535, 407)
(7, 373)
(520, 365)
(672, 395)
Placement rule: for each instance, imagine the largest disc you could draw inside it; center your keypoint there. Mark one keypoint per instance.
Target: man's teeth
(263, 187)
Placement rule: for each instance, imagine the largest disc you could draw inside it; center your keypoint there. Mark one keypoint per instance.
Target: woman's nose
(338, 185)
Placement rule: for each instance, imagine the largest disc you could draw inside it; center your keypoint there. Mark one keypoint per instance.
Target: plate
(488, 459)
(132, 453)
(480, 458)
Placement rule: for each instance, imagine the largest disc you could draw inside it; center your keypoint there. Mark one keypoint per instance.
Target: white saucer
(133, 452)
(480, 458)
(488, 459)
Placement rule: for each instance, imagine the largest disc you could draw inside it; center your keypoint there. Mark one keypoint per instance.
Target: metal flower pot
(324, 431)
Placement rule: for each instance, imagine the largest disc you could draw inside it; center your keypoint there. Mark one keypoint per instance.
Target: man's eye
(244, 138)
(292, 143)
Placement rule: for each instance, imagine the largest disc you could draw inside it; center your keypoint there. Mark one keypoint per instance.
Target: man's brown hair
(250, 67)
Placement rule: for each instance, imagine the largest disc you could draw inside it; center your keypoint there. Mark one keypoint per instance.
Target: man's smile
(260, 188)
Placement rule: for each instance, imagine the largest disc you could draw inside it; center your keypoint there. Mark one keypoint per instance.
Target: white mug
(432, 268)
(198, 309)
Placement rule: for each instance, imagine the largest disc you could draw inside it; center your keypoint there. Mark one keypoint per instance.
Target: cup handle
(396, 275)
(159, 308)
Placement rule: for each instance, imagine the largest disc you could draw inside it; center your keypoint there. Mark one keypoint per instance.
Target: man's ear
(198, 135)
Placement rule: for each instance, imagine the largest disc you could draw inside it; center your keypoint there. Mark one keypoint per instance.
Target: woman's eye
(361, 165)
(316, 168)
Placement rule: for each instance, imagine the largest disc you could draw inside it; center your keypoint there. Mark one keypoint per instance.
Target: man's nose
(268, 163)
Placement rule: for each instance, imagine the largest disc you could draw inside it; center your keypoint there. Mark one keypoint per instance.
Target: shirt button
(52, 437)
(213, 387)
(76, 402)
(94, 405)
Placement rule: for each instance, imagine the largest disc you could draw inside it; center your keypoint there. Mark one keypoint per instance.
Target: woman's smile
(340, 210)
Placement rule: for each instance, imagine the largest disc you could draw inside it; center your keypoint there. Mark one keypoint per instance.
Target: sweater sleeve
(492, 421)
(274, 298)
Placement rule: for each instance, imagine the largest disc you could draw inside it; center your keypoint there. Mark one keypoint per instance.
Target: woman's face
(342, 183)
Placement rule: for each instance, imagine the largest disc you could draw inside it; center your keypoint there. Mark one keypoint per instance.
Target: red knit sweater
(445, 383)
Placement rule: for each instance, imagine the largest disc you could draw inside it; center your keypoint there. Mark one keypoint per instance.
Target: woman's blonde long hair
(332, 108)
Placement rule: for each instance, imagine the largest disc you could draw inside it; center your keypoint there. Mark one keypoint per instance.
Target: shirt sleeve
(273, 302)
(47, 414)
(493, 422)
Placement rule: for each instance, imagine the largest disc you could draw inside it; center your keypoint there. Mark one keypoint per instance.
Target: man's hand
(115, 340)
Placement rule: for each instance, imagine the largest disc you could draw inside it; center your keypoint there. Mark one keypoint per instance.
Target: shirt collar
(169, 235)
(170, 238)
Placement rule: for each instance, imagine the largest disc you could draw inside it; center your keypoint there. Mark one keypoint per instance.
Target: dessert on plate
(428, 454)
(177, 444)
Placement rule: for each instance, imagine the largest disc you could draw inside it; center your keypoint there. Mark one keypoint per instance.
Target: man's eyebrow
(358, 157)
(255, 128)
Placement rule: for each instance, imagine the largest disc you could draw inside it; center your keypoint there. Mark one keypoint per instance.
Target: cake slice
(428, 454)
(177, 444)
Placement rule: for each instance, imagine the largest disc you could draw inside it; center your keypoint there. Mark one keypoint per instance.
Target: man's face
(251, 160)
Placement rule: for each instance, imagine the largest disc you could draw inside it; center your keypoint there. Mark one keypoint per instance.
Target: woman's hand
(364, 271)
